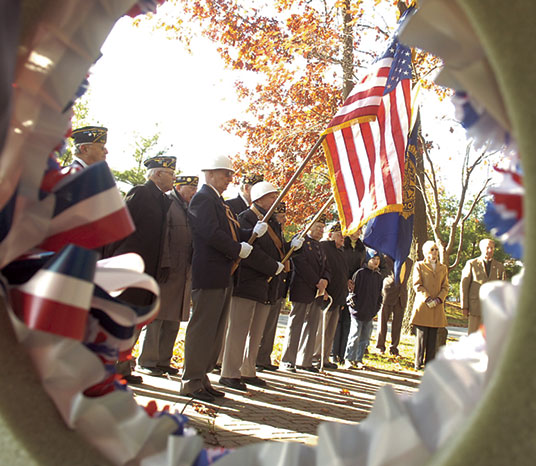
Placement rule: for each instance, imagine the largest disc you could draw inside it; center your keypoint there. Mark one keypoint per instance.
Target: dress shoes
(133, 379)
(236, 384)
(267, 367)
(214, 392)
(287, 367)
(168, 370)
(257, 381)
(330, 365)
(312, 369)
(154, 371)
(201, 394)
(394, 352)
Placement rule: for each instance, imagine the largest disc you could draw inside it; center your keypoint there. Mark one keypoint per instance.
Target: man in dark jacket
(354, 253)
(243, 199)
(218, 242)
(253, 294)
(174, 277)
(395, 297)
(90, 145)
(148, 206)
(337, 289)
(310, 278)
(266, 347)
(365, 303)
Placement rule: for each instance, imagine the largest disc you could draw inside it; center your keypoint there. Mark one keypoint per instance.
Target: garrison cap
(161, 161)
(281, 208)
(184, 180)
(252, 178)
(90, 134)
(335, 227)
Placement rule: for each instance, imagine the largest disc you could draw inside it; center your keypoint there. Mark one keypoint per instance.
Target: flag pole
(283, 193)
(305, 231)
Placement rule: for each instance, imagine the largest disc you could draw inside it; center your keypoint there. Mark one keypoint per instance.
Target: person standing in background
(354, 254)
(175, 280)
(431, 284)
(475, 273)
(395, 298)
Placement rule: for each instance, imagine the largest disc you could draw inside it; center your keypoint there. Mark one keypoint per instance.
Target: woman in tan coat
(431, 284)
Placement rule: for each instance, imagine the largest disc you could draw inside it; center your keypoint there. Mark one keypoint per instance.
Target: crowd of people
(231, 290)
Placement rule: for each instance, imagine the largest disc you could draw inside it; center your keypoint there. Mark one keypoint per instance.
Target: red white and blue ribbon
(504, 214)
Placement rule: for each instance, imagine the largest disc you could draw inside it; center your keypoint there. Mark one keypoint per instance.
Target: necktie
(233, 223)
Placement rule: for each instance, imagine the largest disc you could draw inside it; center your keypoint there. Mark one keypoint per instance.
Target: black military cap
(184, 180)
(281, 208)
(335, 227)
(252, 178)
(161, 161)
(89, 134)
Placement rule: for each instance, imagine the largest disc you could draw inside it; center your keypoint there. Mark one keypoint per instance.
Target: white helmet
(260, 189)
(218, 162)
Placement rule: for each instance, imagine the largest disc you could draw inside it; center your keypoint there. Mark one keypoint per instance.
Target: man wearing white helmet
(218, 242)
(253, 295)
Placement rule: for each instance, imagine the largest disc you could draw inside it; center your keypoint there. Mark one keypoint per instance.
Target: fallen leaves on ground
(203, 409)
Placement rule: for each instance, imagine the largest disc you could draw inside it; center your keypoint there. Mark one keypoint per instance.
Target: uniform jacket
(175, 276)
(396, 294)
(237, 205)
(355, 257)
(473, 275)
(148, 207)
(215, 250)
(434, 284)
(366, 298)
(309, 266)
(338, 285)
(255, 270)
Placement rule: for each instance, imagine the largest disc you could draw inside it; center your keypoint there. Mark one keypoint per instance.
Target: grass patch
(374, 359)
(455, 317)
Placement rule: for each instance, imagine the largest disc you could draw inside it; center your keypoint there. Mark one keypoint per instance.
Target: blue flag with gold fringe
(392, 233)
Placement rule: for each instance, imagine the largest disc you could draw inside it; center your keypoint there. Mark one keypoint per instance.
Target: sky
(145, 83)
(154, 85)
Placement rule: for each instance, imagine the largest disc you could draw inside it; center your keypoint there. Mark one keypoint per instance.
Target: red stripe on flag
(339, 180)
(105, 230)
(351, 152)
(49, 316)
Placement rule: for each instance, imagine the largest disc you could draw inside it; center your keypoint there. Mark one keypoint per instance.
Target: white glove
(245, 250)
(260, 228)
(280, 268)
(297, 243)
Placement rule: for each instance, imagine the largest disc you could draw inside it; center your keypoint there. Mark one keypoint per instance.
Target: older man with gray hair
(476, 272)
(218, 242)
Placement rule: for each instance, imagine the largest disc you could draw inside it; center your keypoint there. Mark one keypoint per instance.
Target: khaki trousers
(247, 320)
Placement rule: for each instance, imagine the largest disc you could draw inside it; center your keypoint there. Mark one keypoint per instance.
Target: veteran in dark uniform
(218, 241)
(90, 146)
(309, 280)
(243, 199)
(338, 290)
(252, 294)
(266, 347)
(354, 253)
(148, 206)
(175, 280)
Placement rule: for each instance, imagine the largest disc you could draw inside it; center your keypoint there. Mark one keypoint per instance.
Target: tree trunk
(348, 52)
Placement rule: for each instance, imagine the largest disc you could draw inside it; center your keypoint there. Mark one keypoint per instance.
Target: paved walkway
(289, 409)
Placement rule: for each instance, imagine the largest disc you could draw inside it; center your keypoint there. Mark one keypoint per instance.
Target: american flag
(366, 141)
